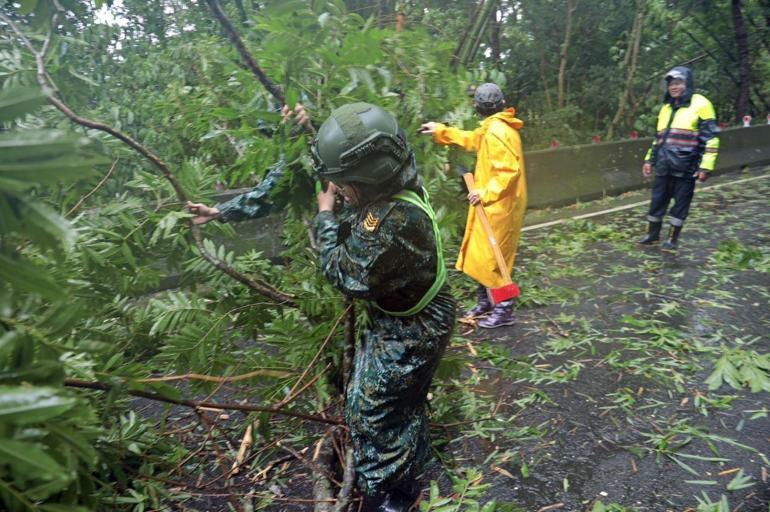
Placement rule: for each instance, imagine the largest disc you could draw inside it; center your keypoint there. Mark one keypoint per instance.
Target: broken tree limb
(323, 456)
(291, 395)
(49, 90)
(248, 440)
(321, 468)
(197, 404)
(93, 190)
(251, 63)
(278, 94)
(344, 497)
(262, 372)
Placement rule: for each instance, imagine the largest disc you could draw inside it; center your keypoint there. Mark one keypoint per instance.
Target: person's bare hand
(701, 175)
(327, 198)
(474, 197)
(298, 113)
(203, 213)
(428, 128)
(647, 169)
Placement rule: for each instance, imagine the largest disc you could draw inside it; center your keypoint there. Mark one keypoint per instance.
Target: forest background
(115, 112)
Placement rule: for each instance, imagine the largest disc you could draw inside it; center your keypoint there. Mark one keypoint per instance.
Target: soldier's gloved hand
(298, 113)
(203, 213)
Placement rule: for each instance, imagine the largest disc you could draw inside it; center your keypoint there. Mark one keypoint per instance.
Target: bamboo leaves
(738, 368)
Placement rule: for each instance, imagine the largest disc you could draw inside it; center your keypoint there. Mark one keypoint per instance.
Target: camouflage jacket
(385, 252)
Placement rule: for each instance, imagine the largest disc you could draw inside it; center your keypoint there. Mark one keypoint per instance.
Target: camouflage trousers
(386, 406)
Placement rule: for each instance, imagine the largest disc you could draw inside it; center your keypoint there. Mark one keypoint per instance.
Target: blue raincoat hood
(689, 80)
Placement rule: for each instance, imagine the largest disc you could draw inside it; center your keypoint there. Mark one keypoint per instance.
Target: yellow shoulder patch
(371, 222)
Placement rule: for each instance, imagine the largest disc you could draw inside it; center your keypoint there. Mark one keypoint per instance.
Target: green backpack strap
(423, 203)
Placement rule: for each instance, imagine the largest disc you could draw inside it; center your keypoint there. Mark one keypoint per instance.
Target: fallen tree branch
(93, 190)
(322, 487)
(291, 395)
(263, 372)
(314, 464)
(216, 9)
(344, 497)
(278, 94)
(197, 404)
(248, 440)
(49, 90)
(221, 461)
(349, 351)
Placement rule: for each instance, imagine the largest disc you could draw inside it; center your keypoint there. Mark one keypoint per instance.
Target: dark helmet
(360, 143)
(488, 99)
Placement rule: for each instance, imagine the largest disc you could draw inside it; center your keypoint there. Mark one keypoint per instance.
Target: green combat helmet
(360, 143)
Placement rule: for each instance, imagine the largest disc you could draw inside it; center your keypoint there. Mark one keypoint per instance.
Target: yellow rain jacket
(500, 178)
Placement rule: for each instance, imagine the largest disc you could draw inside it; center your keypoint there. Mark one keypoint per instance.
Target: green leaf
(684, 466)
(55, 169)
(36, 144)
(82, 77)
(63, 508)
(54, 227)
(755, 377)
(490, 506)
(30, 461)
(27, 6)
(42, 372)
(77, 441)
(30, 278)
(26, 404)
(17, 101)
(723, 371)
(740, 481)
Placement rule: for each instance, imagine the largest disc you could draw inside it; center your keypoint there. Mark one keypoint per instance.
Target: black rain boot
(483, 304)
(673, 239)
(653, 233)
(395, 500)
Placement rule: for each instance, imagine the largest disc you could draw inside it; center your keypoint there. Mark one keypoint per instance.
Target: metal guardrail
(557, 177)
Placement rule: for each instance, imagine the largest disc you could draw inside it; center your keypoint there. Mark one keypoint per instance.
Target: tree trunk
(472, 41)
(477, 42)
(466, 35)
(494, 38)
(571, 8)
(630, 62)
(744, 66)
(544, 75)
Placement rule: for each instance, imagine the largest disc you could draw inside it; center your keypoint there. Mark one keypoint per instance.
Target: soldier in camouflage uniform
(383, 248)
(386, 251)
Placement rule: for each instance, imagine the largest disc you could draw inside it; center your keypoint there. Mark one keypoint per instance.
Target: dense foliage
(99, 280)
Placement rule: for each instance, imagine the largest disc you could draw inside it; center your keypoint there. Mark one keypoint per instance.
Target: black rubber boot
(653, 233)
(396, 500)
(673, 239)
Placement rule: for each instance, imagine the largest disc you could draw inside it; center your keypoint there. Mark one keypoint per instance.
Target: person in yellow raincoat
(501, 188)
